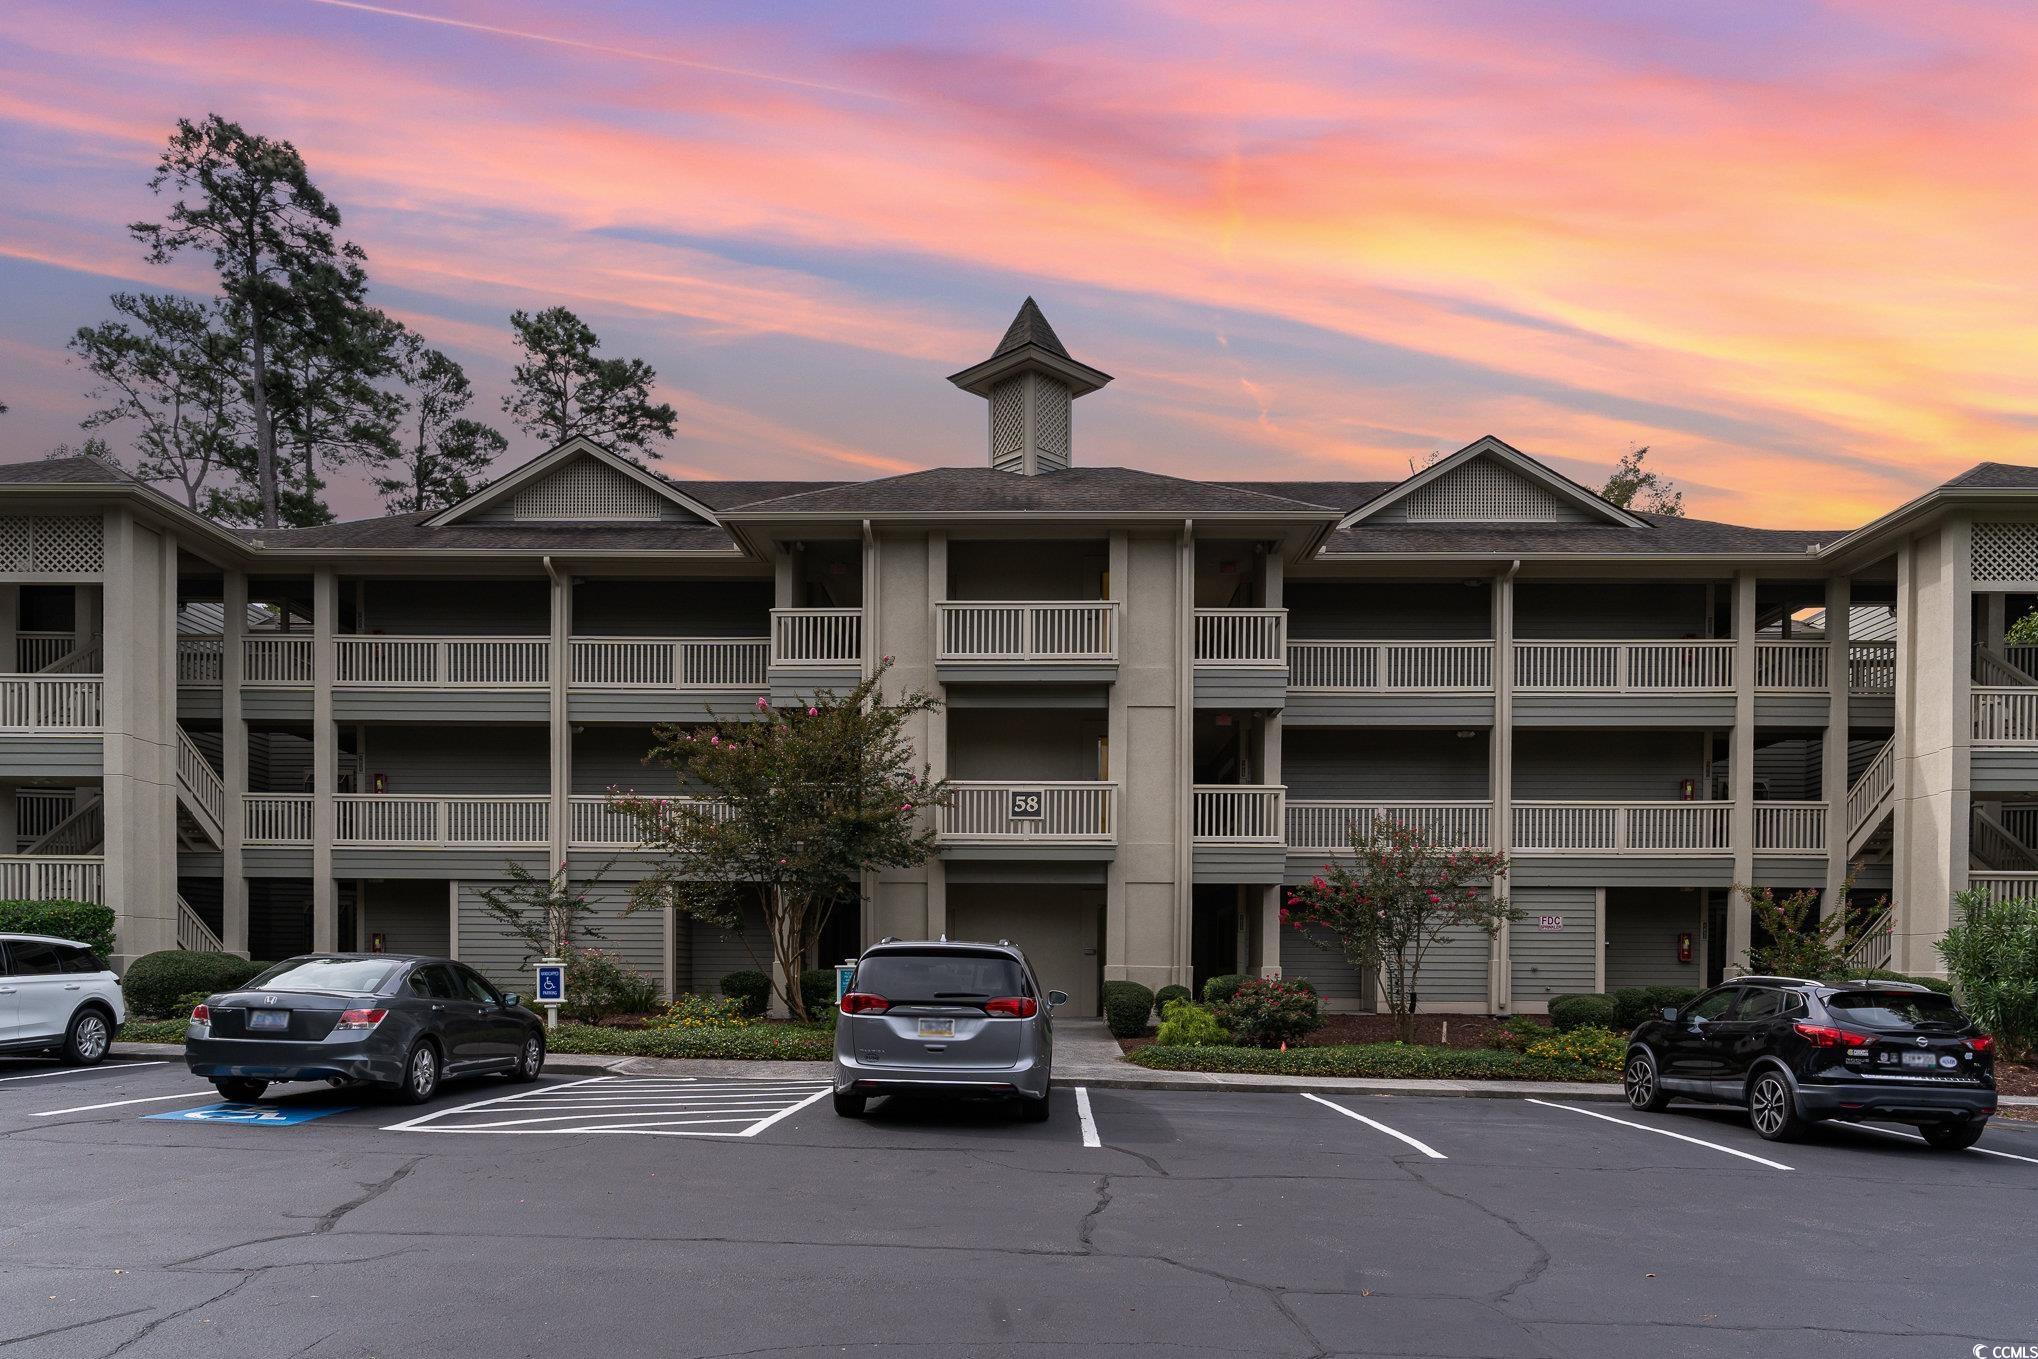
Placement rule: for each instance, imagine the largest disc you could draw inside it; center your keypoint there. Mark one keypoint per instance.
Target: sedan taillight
(360, 1019)
(200, 1014)
(1826, 1036)
(1981, 1045)
(864, 1003)
(1018, 1007)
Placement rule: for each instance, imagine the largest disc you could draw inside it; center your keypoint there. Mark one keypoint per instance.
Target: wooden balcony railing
(200, 659)
(2005, 715)
(276, 660)
(1622, 827)
(1076, 631)
(1325, 827)
(52, 877)
(1871, 668)
(1241, 637)
(821, 638)
(596, 824)
(430, 821)
(1031, 810)
(1791, 667)
(35, 651)
(276, 818)
(1688, 666)
(1996, 886)
(1371, 667)
(1238, 814)
(1790, 828)
(35, 704)
(442, 662)
(669, 662)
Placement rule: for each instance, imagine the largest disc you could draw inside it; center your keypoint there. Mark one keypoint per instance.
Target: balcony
(1361, 683)
(1044, 640)
(1031, 816)
(441, 662)
(51, 705)
(668, 663)
(595, 824)
(817, 639)
(415, 821)
(1689, 682)
(2003, 886)
(2004, 715)
(1322, 827)
(1790, 828)
(276, 660)
(1237, 833)
(52, 877)
(1241, 658)
(1640, 828)
(200, 660)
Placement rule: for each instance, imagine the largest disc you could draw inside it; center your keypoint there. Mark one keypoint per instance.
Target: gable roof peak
(1030, 327)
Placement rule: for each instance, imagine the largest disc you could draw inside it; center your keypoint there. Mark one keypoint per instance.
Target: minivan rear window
(948, 977)
(348, 976)
(1897, 1009)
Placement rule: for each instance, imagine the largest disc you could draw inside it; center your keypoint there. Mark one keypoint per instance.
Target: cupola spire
(1030, 381)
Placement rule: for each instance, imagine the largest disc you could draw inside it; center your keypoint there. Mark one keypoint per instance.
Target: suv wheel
(1644, 1091)
(530, 1059)
(420, 1075)
(1772, 1109)
(88, 1038)
(1953, 1136)
(849, 1105)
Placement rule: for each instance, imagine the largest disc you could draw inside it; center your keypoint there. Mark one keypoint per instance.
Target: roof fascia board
(1048, 516)
(144, 500)
(1488, 446)
(537, 467)
(1868, 539)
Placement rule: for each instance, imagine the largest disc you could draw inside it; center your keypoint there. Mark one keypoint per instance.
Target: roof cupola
(1030, 381)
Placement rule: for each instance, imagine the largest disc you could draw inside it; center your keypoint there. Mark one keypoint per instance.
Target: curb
(1336, 1085)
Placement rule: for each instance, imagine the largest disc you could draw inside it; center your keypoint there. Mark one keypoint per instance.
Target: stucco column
(325, 765)
(137, 743)
(1933, 738)
(1741, 768)
(1500, 783)
(560, 723)
(1833, 751)
(233, 747)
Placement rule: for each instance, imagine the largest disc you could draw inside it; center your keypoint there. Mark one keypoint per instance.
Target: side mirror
(511, 998)
(1056, 999)
(1669, 1012)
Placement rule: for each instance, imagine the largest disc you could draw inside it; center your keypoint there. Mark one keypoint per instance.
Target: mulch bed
(2017, 1078)
(1341, 1030)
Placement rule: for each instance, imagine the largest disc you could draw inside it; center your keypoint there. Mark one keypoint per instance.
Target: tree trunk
(783, 924)
(265, 429)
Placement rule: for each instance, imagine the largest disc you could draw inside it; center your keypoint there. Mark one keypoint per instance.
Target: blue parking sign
(551, 983)
(251, 1115)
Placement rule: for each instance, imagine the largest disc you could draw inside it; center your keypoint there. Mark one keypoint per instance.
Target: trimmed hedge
(753, 989)
(155, 981)
(1221, 987)
(753, 1042)
(1633, 1005)
(1168, 993)
(85, 921)
(1590, 1009)
(817, 990)
(152, 1031)
(1390, 1061)
(1126, 1007)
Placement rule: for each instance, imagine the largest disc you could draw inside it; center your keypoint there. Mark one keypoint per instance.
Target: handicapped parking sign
(551, 983)
(251, 1115)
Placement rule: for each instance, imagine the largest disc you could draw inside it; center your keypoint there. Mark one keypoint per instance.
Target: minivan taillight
(1826, 1036)
(359, 1019)
(1018, 1007)
(201, 1015)
(864, 1003)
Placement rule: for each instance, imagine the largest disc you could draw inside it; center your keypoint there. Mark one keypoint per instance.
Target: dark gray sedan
(393, 1020)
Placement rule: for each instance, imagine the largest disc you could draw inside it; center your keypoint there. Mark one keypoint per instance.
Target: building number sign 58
(1025, 805)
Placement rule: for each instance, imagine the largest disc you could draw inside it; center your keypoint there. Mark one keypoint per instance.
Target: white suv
(57, 995)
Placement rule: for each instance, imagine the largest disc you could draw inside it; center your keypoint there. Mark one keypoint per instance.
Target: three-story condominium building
(1163, 698)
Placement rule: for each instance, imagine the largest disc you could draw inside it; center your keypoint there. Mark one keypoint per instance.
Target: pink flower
(813, 712)
(714, 740)
(905, 806)
(762, 703)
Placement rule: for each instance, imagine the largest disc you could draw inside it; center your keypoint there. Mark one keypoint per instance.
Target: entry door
(1059, 937)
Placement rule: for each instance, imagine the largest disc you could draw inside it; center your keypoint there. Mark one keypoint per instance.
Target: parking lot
(585, 1215)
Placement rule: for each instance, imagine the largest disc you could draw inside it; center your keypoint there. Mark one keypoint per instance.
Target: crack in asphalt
(70, 1326)
(145, 1332)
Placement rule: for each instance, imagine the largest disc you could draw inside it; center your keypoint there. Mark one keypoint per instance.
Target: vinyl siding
(1413, 766)
(673, 608)
(1642, 766)
(1453, 973)
(1608, 609)
(1023, 570)
(1020, 743)
(411, 916)
(1409, 611)
(420, 759)
(485, 945)
(1547, 963)
(456, 608)
(1641, 938)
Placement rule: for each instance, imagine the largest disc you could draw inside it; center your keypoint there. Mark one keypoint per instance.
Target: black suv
(1797, 1052)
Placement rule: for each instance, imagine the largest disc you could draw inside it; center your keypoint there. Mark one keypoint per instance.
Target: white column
(1741, 769)
(1833, 753)
(138, 744)
(1500, 780)
(1116, 737)
(560, 733)
(325, 603)
(233, 746)
(1934, 733)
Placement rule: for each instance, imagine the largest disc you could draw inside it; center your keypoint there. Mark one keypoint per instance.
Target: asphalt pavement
(717, 1216)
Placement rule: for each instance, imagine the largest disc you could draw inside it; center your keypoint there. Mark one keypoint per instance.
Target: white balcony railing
(1238, 814)
(596, 824)
(199, 659)
(669, 662)
(35, 651)
(1995, 886)
(823, 638)
(2005, 715)
(1032, 810)
(276, 818)
(1689, 666)
(1877, 781)
(423, 820)
(1046, 631)
(1242, 637)
(193, 934)
(1371, 667)
(1790, 828)
(1325, 827)
(276, 660)
(38, 811)
(442, 662)
(1791, 667)
(51, 703)
(199, 778)
(1622, 827)
(52, 877)
(1871, 667)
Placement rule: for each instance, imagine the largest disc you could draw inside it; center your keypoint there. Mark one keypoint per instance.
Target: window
(80, 959)
(1896, 1010)
(345, 976)
(34, 958)
(1713, 1004)
(1759, 1003)
(474, 986)
(939, 978)
(433, 983)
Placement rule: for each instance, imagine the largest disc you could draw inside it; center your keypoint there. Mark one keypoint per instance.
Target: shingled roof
(1074, 490)
(1030, 327)
(1664, 535)
(1996, 476)
(81, 471)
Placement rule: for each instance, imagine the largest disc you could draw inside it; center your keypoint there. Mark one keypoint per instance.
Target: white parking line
(81, 1071)
(649, 1106)
(1425, 1148)
(116, 1103)
(1664, 1132)
(1913, 1137)
(1086, 1118)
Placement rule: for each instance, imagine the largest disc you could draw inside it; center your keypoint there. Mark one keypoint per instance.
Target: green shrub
(753, 989)
(1167, 995)
(1185, 1024)
(1126, 1007)
(155, 982)
(1663, 998)
(1630, 1007)
(1591, 1009)
(86, 922)
(188, 1002)
(1387, 1061)
(1266, 1014)
(1992, 952)
(702, 1012)
(598, 983)
(817, 990)
(1602, 1049)
(1302, 984)
(153, 1030)
(773, 1042)
(1518, 1031)
(1220, 987)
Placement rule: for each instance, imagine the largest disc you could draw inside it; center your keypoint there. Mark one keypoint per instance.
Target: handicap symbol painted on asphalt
(268, 1116)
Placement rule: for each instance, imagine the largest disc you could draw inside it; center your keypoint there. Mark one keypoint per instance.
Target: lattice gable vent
(52, 544)
(1484, 492)
(2004, 552)
(585, 491)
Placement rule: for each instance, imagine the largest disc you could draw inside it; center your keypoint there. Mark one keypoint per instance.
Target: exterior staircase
(1870, 801)
(82, 832)
(193, 934)
(201, 793)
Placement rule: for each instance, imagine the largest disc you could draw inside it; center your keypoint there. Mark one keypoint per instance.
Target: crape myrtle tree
(785, 810)
(1401, 894)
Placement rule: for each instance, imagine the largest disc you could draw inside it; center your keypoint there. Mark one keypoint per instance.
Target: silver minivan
(961, 1020)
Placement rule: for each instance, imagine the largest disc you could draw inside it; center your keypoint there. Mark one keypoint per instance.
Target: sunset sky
(1789, 246)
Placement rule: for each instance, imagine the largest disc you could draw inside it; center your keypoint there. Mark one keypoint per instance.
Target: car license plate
(268, 1021)
(1920, 1059)
(937, 1028)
